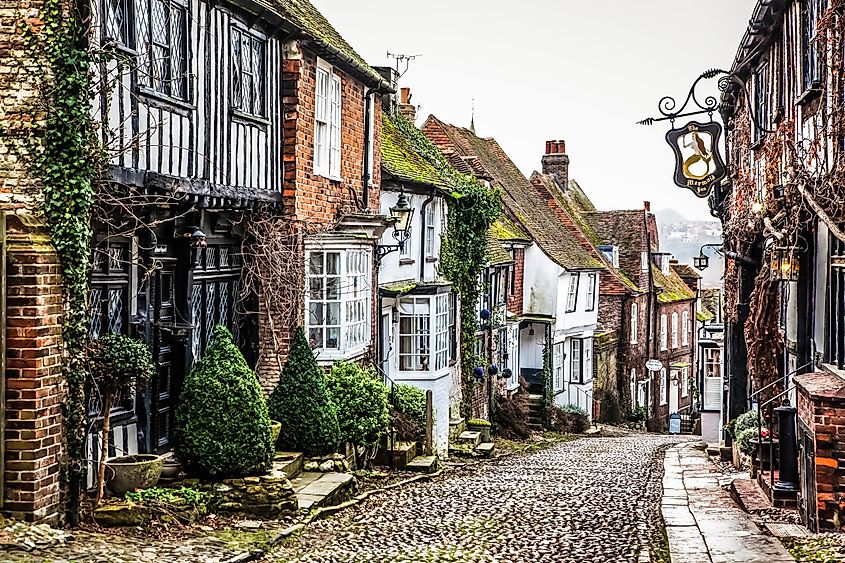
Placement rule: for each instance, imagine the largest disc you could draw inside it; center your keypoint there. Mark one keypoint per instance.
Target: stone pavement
(590, 500)
(703, 523)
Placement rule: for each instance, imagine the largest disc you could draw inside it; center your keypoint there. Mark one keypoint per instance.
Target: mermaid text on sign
(698, 164)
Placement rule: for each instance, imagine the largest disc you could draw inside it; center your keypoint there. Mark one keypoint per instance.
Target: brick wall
(514, 303)
(34, 384)
(821, 411)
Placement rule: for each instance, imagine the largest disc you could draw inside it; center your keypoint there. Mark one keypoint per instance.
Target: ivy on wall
(66, 160)
(463, 254)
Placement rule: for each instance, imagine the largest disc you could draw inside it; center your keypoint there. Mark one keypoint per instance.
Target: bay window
(327, 122)
(417, 315)
(338, 300)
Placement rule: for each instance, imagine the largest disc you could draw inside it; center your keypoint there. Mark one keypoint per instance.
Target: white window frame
(353, 298)
(644, 261)
(591, 292)
(674, 330)
(580, 360)
(635, 322)
(663, 332)
(572, 293)
(430, 229)
(426, 344)
(684, 375)
(328, 113)
(558, 357)
(685, 328)
(371, 119)
(713, 384)
(664, 392)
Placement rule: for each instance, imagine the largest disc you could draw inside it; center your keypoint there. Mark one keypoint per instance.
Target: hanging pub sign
(698, 164)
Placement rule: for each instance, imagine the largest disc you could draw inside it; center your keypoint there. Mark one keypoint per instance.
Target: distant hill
(684, 238)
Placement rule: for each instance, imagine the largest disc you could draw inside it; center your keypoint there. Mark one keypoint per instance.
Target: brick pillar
(34, 384)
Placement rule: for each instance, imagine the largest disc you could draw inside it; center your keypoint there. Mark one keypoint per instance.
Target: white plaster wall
(440, 385)
(391, 270)
(581, 316)
(540, 283)
(531, 347)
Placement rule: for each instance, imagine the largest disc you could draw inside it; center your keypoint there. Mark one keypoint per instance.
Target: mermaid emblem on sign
(698, 164)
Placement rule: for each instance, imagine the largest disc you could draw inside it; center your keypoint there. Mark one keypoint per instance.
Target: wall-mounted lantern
(701, 262)
(784, 263)
(400, 215)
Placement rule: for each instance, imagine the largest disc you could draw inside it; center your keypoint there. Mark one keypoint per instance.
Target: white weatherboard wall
(404, 266)
(540, 283)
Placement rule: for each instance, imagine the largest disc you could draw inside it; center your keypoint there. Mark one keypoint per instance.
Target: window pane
(315, 314)
(332, 288)
(315, 286)
(315, 263)
(333, 338)
(333, 263)
(333, 313)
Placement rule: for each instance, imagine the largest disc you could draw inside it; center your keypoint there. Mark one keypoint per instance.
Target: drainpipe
(365, 177)
(422, 235)
(650, 325)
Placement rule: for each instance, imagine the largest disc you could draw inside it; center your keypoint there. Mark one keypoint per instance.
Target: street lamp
(400, 215)
(784, 263)
(702, 261)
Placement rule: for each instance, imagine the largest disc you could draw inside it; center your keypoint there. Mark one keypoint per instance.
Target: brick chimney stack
(647, 206)
(556, 162)
(406, 108)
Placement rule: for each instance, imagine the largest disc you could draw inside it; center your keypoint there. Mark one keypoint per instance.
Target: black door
(164, 389)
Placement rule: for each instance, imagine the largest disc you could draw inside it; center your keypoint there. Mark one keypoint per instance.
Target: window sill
(246, 116)
(327, 356)
(430, 259)
(809, 95)
(406, 261)
(156, 96)
(329, 177)
(116, 46)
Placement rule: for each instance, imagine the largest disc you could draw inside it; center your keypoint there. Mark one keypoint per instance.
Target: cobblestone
(594, 499)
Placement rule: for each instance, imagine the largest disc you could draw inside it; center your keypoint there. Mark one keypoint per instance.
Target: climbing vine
(463, 255)
(67, 159)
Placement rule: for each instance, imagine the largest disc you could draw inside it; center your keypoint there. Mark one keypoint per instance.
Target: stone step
(748, 494)
(423, 464)
(469, 437)
(401, 454)
(322, 489)
(289, 463)
(485, 449)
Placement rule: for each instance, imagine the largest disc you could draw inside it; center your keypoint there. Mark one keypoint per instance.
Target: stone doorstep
(468, 436)
(321, 489)
(423, 464)
(290, 463)
(485, 449)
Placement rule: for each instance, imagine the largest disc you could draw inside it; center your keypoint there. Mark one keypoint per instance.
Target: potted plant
(116, 362)
(482, 426)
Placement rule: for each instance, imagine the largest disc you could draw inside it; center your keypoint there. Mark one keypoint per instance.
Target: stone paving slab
(718, 530)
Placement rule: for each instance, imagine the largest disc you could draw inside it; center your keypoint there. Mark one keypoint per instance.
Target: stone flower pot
(171, 468)
(275, 430)
(130, 472)
(481, 426)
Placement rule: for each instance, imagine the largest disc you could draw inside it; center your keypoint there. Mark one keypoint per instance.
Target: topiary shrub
(361, 402)
(408, 412)
(743, 440)
(302, 403)
(222, 426)
(744, 422)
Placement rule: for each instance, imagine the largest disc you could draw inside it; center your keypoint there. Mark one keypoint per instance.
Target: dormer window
(662, 260)
(611, 252)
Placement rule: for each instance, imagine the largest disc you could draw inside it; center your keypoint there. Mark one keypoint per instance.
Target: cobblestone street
(588, 500)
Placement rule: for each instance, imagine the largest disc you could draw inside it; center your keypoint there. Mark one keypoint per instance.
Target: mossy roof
(672, 287)
(519, 197)
(704, 315)
(401, 160)
(303, 15)
(496, 254)
(505, 229)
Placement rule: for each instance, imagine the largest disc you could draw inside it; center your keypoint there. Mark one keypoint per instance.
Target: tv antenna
(400, 58)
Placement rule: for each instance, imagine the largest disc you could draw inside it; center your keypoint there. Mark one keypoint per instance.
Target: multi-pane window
(674, 330)
(762, 105)
(327, 121)
(835, 340)
(685, 328)
(115, 25)
(684, 375)
(161, 32)
(663, 333)
(338, 299)
(635, 323)
(214, 294)
(664, 395)
(557, 365)
(576, 360)
(108, 296)
(572, 294)
(248, 71)
(441, 331)
(811, 47)
(591, 292)
(414, 333)
(644, 261)
(712, 378)
(430, 214)
(453, 335)
(371, 124)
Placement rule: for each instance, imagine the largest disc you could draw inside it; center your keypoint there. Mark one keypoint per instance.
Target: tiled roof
(399, 158)
(496, 254)
(711, 299)
(671, 288)
(522, 203)
(623, 229)
(686, 271)
(303, 15)
(506, 230)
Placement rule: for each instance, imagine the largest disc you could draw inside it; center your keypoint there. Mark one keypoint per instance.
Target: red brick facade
(34, 383)
(514, 300)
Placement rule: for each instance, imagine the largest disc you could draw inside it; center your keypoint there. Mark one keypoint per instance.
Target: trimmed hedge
(361, 402)
(222, 426)
(302, 403)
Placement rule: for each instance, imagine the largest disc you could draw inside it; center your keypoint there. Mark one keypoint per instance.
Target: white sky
(582, 71)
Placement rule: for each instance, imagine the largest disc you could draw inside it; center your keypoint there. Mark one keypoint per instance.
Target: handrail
(776, 381)
(778, 396)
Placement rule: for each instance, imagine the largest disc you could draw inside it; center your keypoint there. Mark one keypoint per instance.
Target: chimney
(389, 101)
(406, 108)
(556, 162)
(647, 206)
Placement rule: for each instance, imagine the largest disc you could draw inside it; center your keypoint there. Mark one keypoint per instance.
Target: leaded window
(762, 103)
(115, 22)
(214, 295)
(248, 72)
(161, 33)
(108, 296)
(811, 47)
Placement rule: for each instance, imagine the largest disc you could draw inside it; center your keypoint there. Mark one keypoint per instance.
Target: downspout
(649, 341)
(365, 177)
(422, 236)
